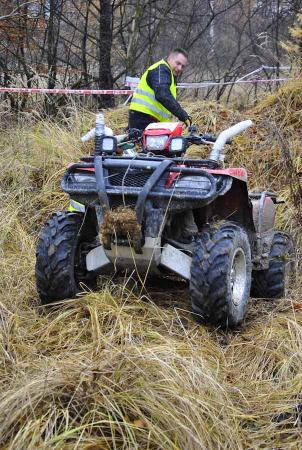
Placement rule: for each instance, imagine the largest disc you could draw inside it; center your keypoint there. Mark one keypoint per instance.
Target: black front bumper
(112, 182)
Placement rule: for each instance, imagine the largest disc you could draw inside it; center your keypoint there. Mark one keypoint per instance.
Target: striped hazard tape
(133, 85)
(68, 91)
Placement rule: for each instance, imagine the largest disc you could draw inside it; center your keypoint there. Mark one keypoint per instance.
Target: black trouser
(140, 120)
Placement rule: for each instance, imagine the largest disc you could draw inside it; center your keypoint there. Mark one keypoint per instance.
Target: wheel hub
(238, 276)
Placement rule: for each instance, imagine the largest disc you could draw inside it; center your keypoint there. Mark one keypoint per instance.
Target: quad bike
(156, 211)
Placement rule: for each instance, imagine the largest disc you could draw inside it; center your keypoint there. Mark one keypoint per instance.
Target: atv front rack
(149, 186)
(205, 163)
(112, 182)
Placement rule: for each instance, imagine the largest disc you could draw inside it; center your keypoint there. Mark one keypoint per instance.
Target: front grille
(116, 201)
(128, 177)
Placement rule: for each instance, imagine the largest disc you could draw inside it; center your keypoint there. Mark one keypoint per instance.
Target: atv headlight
(83, 177)
(193, 182)
(154, 143)
(109, 144)
(177, 145)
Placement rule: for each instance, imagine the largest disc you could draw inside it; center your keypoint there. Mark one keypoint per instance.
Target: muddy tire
(60, 266)
(221, 276)
(274, 281)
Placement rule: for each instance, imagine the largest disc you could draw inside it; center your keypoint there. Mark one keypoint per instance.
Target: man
(154, 99)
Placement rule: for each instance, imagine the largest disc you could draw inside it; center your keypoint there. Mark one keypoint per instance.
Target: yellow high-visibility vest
(144, 100)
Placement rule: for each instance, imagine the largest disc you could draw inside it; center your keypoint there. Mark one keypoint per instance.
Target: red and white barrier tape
(228, 83)
(131, 91)
(203, 84)
(68, 91)
(132, 82)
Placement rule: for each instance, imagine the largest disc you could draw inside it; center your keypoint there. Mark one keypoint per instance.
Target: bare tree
(94, 43)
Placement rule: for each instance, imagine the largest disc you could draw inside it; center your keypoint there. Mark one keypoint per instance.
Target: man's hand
(188, 121)
(134, 134)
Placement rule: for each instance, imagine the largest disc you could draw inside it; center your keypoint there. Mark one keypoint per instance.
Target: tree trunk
(53, 31)
(105, 43)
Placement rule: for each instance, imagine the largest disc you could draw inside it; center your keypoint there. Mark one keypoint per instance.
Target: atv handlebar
(134, 135)
(223, 138)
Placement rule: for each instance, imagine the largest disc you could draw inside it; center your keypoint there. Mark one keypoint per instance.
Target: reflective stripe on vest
(154, 110)
(144, 100)
(147, 94)
(76, 206)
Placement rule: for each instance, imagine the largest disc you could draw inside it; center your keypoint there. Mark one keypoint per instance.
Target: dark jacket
(159, 79)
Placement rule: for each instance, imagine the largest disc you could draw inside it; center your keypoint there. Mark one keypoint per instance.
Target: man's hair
(179, 50)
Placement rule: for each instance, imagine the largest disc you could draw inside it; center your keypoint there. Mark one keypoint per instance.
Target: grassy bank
(119, 370)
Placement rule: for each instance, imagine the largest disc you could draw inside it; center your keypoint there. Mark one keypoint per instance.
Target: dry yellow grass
(112, 370)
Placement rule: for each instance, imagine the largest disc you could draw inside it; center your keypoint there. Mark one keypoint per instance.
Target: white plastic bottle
(99, 131)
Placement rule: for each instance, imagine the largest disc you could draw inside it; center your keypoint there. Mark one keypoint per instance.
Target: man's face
(177, 62)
